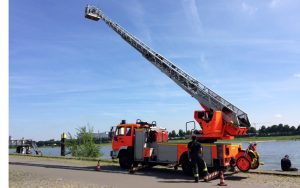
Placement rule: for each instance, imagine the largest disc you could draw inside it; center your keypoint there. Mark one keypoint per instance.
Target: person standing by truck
(195, 157)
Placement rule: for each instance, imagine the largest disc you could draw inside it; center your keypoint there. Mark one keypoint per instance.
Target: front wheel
(186, 165)
(125, 160)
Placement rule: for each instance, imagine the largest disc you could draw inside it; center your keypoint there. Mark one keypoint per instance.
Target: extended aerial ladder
(234, 120)
(219, 120)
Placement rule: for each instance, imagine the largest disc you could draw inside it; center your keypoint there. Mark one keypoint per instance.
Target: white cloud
(138, 13)
(275, 3)
(204, 64)
(191, 11)
(279, 116)
(248, 8)
(297, 75)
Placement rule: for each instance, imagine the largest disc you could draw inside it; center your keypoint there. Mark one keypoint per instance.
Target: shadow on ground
(168, 175)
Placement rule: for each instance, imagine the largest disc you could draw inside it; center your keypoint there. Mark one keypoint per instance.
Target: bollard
(63, 144)
(98, 166)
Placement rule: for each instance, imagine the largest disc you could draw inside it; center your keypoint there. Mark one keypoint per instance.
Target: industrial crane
(220, 119)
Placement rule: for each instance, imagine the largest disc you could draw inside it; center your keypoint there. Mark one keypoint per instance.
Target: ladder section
(203, 94)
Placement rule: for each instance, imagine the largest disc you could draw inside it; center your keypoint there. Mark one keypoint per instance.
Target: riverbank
(249, 139)
(26, 171)
(78, 160)
(268, 138)
(92, 161)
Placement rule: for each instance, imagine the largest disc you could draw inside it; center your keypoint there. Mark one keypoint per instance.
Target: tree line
(55, 143)
(274, 130)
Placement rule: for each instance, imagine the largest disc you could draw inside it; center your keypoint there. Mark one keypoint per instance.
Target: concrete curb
(276, 173)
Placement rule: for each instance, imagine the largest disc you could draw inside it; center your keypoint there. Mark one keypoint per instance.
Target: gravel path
(38, 172)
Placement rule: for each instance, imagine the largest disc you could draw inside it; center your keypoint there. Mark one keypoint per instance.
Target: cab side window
(128, 131)
(120, 131)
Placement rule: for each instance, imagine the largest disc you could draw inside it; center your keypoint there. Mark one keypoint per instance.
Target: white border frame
(4, 93)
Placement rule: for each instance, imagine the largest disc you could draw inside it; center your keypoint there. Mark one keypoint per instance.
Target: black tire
(125, 159)
(186, 165)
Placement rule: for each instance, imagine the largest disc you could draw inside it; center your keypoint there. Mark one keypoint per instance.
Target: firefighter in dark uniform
(286, 164)
(195, 156)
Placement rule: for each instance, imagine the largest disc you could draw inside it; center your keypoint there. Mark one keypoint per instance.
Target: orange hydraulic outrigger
(219, 120)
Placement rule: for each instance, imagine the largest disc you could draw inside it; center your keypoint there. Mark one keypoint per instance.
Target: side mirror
(111, 133)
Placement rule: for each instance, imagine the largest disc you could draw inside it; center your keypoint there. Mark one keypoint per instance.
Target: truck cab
(124, 137)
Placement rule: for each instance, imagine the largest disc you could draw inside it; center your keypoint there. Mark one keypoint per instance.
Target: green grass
(269, 138)
(61, 158)
(104, 144)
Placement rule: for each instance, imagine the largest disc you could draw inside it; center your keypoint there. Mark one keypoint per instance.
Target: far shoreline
(235, 140)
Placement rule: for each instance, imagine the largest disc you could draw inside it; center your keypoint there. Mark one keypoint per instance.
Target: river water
(270, 152)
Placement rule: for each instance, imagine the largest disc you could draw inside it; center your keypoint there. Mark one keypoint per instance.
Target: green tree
(273, 129)
(188, 132)
(181, 133)
(280, 128)
(84, 145)
(252, 130)
(293, 129)
(172, 134)
(286, 128)
(262, 130)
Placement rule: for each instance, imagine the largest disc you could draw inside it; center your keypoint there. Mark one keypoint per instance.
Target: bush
(84, 145)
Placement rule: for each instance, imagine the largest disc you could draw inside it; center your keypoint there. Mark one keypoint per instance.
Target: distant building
(101, 135)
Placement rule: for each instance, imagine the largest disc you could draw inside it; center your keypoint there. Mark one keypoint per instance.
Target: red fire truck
(145, 143)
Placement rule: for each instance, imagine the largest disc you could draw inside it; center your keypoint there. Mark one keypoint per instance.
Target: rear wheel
(186, 165)
(125, 160)
(243, 164)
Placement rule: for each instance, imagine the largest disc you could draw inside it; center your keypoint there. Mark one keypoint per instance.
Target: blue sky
(67, 71)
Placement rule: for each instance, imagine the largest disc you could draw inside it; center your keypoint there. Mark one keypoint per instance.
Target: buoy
(98, 166)
(222, 182)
